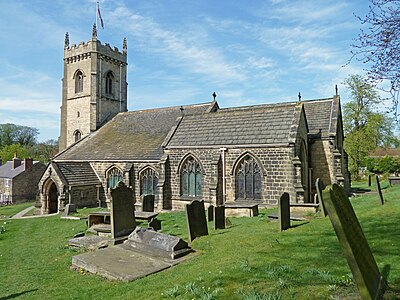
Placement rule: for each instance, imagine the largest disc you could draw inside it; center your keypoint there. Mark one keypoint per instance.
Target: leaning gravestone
(219, 217)
(369, 179)
(378, 189)
(319, 185)
(284, 212)
(354, 244)
(210, 213)
(196, 219)
(122, 212)
(148, 203)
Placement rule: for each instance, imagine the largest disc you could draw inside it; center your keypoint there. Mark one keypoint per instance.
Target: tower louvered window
(191, 178)
(79, 82)
(248, 179)
(109, 83)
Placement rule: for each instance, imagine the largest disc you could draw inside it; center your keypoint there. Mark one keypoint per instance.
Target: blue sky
(179, 52)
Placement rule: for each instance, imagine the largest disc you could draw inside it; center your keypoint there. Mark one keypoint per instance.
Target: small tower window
(109, 83)
(77, 135)
(79, 114)
(79, 82)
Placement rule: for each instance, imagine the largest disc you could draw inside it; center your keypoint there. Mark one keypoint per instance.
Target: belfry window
(191, 178)
(248, 179)
(109, 83)
(77, 135)
(113, 177)
(148, 182)
(79, 82)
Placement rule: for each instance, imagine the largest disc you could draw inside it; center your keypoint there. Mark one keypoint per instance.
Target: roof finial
(182, 109)
(94, 32)
(66, 41)
(299, 97)
(336, 90)
(214, 95)
(124, 46)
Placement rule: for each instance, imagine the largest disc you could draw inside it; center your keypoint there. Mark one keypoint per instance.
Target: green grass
(249, 260)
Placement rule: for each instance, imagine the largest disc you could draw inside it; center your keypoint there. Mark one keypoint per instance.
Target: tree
(365, 129)
(8, 152)
(378, 46)
(17, 134)
(45, 151)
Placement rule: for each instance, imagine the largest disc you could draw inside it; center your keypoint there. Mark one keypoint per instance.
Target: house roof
(76, 173)
(136, 135)
(253, 125)
(7, 170)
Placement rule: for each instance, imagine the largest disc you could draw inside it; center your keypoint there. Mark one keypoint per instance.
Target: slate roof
(7, 171)
(252, 125)
(136, 135)
(76, 173)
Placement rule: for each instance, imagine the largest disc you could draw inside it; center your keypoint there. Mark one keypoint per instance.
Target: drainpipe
(223, 176)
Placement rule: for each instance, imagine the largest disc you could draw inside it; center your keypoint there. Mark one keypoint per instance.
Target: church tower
(94, 87)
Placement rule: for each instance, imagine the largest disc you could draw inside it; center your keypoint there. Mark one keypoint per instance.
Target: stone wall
(25, 185)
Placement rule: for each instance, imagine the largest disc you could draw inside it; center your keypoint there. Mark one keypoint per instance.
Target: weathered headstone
(219, 217)
(69, 208)
(148, 203)
(354, 244)
(122, 211)
(210, 213)
(154, 243)
(369, 179)
(284, 212)
(196, 219)
(319, 185)
(378, 189)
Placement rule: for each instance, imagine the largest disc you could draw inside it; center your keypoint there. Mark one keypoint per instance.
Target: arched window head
(77, 135)
(79, 82)
(109, 83)
(148, 182)
(114, 176)
(248, 179)
(191, 178)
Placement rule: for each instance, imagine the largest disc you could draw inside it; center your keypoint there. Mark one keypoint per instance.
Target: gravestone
(319, 185)
(284, 212)
(369, 179)
(122, 211)
(219, 217)
(148, 203)
(378, 189)
(69, 208)
(150, 242)
(196, 219)
(210, 213)
(365, 271)
(155, 224)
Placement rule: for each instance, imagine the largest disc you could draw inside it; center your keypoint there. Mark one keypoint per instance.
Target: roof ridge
(166, 107)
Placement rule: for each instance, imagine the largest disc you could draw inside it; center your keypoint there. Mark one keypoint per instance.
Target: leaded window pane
(248, 179)
(240, 185)
(148, 182)
(191, 176)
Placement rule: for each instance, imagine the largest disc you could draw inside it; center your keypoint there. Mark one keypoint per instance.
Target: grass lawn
(248, 260)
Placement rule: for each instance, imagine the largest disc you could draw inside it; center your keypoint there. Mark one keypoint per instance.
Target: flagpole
(97, 12)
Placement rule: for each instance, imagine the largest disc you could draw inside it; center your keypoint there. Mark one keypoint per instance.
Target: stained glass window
(191, 178)
(114, 176)
(148, 182)
(248, 179)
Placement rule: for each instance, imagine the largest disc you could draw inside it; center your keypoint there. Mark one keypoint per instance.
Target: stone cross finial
(124, 45)
(299, 97)
(94, 32)
(66, 41)
(182, 109)
(214, 95)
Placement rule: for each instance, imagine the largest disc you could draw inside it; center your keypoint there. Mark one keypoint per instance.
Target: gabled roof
(76, 173)
(136, 135)
(7, 170)
(253, 125)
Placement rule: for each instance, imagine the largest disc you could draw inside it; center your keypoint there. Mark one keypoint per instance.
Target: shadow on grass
(360, 190)
(297, 225)
(12, 296)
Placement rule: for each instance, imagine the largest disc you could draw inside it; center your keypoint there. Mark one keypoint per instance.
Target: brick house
(19, 180)
(244, 154)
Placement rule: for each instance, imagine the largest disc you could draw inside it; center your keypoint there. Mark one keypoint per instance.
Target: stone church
(239, 155)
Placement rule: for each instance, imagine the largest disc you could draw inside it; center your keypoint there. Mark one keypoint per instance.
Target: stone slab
(241, 209)
(284, 212)
(148, 203)
(393, 180)
(196, 219)
(379, 190)
(219, 217)
(319, 186)
(90, 242)
(354, 244)
(210, 213)
(120, 263)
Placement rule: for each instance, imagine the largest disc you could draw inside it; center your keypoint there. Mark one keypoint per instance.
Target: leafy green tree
(364, 127)
(17, 134)
(8, 152)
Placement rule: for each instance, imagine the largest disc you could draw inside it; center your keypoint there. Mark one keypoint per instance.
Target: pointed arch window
(248, 179)
(109, 83)
(148, 182)
(77, 135)
(113, 177)
(191, 178)
(79, 82)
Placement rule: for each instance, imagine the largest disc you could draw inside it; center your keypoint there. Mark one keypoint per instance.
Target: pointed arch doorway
(52, 198)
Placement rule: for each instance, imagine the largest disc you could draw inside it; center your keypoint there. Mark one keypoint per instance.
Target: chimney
(28, 162)
(16, 162)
